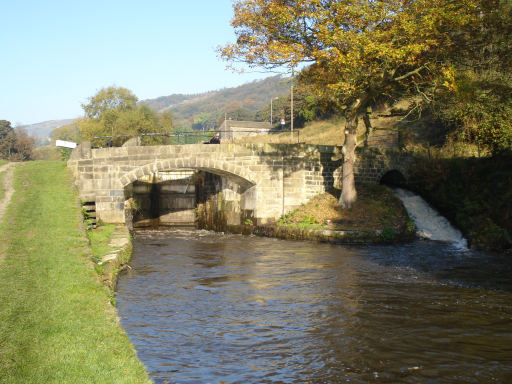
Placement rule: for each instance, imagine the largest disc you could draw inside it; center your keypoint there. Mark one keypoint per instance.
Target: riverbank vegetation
(378, 208)
(377, 216)
(111, 251)
(57, 323)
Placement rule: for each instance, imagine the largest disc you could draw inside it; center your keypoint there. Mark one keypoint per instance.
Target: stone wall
(373, 163)
(268, 180)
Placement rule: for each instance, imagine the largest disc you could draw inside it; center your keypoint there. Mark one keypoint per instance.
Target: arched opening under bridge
(393, 178)
(188, 196)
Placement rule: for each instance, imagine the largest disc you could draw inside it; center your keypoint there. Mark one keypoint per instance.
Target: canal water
(203, 307)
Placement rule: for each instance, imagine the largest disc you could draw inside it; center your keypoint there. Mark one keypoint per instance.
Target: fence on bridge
(387, 140)
(178, 138)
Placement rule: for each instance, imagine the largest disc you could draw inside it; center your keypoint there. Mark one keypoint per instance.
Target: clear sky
(55, 54)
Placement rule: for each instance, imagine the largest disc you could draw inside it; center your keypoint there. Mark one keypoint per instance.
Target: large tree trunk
(348, 191)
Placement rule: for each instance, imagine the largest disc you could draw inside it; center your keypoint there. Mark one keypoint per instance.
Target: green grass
(2, 162)
(56, 323)
(376, 208)
(99, 238)
(321, 132)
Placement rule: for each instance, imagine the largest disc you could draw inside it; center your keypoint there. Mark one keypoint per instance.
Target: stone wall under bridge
(263, 181)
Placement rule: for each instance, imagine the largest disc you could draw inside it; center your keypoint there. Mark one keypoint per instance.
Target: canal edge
(378, 236)
(117, 258)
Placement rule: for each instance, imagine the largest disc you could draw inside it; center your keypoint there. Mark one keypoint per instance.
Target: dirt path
(8, 186)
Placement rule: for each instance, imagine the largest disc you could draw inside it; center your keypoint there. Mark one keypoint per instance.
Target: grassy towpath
(56, 323)
(2, 189)
(6, 188)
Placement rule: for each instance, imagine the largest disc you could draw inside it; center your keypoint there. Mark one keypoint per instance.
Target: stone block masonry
(267, 179)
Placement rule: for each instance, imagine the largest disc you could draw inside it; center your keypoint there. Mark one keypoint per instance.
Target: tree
(113, 111)
(360, 51)
(15, 143)
(23, 146)
(7, 139)
(108, 99)
(476, 97)
(69, 132)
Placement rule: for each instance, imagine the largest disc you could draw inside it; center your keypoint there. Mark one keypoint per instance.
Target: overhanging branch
(409, 74)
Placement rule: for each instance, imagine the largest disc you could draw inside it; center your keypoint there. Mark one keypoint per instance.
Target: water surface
(202, 307)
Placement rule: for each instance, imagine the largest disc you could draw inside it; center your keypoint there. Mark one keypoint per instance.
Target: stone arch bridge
(267, 180)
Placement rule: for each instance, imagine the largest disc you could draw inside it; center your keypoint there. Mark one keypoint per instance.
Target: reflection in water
(209, 308)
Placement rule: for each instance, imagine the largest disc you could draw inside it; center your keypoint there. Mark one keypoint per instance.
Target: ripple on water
(202, 307)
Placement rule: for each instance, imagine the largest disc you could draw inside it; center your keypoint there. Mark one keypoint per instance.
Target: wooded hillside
(238, 103)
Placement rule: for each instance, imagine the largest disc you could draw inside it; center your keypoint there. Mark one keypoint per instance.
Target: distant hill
(163, 102)
(43, 130)
(206, 107)
(250, 98)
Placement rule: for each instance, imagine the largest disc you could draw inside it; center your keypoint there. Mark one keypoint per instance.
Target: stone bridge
(267, 180)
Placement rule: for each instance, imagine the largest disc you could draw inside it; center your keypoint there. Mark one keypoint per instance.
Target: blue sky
(56, 54)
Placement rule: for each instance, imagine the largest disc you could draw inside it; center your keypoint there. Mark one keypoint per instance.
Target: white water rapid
(429, 223)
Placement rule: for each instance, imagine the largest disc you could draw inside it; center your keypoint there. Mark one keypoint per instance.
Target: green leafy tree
(7, 139)
(360, 51)
(476, 97)
(23, 146)
(114, 112)
(69, 132)
(203, 120)
(15, 143)
(109, 99)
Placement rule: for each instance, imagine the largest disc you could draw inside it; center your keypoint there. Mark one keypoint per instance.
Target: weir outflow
(429, 223)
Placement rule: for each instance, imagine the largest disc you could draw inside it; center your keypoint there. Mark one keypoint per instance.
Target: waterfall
(429, 223)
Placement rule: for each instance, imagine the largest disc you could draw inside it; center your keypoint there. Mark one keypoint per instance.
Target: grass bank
(377, 216)
(321, 132)
(111, 251)
(57, 323)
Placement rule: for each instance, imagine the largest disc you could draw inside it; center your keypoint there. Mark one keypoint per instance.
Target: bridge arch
(172, 201)
(242, 175)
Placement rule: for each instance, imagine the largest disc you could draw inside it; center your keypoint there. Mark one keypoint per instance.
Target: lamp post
(271, 119)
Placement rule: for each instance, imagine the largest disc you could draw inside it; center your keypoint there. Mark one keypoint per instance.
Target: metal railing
(175, 138)
(180, 138)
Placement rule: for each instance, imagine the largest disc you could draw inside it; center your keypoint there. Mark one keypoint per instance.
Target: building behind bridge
(233, 129)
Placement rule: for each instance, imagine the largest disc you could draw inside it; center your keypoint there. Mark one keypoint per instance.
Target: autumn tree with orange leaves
(360, 51)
